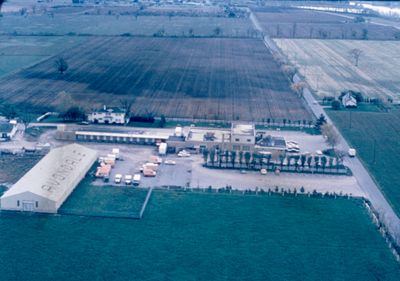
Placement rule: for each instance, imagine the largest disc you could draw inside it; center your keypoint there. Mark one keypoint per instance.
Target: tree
(303, 159)
(309, 159)
(163, 121)
(212, 156)
(335, 105)
(332, 136)
(74, 114)
(1, 3)
(247, 158)
(217, 31)
(316, 162)
(364, 35)
(299, 88)
(320, 122)
(324, 160)
(126, 104)
(240, 158)
(355, 54)
(359, 19)
(233, 158)
(61, 65)
(8, 111)
(205, 155)
(191, 32)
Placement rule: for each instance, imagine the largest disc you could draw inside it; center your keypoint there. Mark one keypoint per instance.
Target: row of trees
(240, 159)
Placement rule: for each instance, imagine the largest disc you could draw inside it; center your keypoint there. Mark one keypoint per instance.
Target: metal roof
(56, 174)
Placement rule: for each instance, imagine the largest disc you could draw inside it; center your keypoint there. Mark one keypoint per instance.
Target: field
(329, 68)
(382, 129)
(298, 23)
(13, 167)
(70, 24)
(107, 201)
(228, 79)
(21, 51)
(202, 236)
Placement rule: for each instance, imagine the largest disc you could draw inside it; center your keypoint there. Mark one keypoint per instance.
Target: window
(37, 204)
(248, 140)
(235, 147)
(237, 139)
(17, 203)
(245, 148)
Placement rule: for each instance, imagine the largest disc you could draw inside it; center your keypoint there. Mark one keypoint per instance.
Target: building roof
(243, 129)
(109, 109)
(204, 135)
(6, 127)
(56, 173)
(271, 141)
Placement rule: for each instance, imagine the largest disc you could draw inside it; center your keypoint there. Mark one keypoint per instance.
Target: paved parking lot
(190, 172)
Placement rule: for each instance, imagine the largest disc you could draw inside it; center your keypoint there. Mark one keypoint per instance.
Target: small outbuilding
(49, 183)
(7, 130)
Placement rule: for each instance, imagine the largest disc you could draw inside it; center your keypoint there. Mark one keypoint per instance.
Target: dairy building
(49, 183)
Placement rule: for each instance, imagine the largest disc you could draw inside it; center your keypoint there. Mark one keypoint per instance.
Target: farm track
(227, 79)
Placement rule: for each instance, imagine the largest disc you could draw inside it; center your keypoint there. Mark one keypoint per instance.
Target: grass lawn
(202, 236)
(105, 201)
(382, 129)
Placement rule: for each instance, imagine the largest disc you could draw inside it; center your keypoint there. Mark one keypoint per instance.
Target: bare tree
(299, 88)
(217, 31)
(61, 65)
(1, 3)
(355, 54)
(127, 104)
(332, 136)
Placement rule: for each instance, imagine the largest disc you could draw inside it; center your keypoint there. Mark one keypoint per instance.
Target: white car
(128, 179)
(263, 171)
(169, 162)
(183, 153)
(118, 178)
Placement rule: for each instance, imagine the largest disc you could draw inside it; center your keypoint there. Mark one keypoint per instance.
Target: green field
(17, 52)
(107, 201)
(63, 24)
(202, 236)
(382, 131)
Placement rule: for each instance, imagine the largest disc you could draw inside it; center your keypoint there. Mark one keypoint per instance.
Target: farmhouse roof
(110, 109)
(349, 100)
(54, 175)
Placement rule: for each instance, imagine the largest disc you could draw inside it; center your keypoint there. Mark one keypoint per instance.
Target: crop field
(379, 132)
(299, 23)
(21, 51)
(330, 69)
(202, 236)
(225, 79)
(13, 167)
(70, 24)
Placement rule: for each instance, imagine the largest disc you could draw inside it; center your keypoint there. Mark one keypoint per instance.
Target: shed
(49, 183)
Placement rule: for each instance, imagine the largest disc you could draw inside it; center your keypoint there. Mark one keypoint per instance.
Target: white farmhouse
(49, 183)
(349, 101)
(108, 115)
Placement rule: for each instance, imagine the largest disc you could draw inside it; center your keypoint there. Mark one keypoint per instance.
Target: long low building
(49, 183)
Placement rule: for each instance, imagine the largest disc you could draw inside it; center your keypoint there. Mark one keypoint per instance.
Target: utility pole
(350, 119)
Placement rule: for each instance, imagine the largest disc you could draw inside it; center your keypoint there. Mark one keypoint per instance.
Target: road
(367, 184)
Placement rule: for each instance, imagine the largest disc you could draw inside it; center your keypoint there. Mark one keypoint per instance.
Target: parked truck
(136, 179)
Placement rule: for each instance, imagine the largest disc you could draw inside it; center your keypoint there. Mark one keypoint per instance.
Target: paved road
(365, 181)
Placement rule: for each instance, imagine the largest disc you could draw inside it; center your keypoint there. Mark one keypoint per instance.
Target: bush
(335, 105)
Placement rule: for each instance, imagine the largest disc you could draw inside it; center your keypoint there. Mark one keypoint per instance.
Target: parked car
(136, 179)
(169, 162)
(118, 178)
(263, 171)
(183, 153)
(128, 179)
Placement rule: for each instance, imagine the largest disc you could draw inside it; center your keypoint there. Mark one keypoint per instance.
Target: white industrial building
(49, 183)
